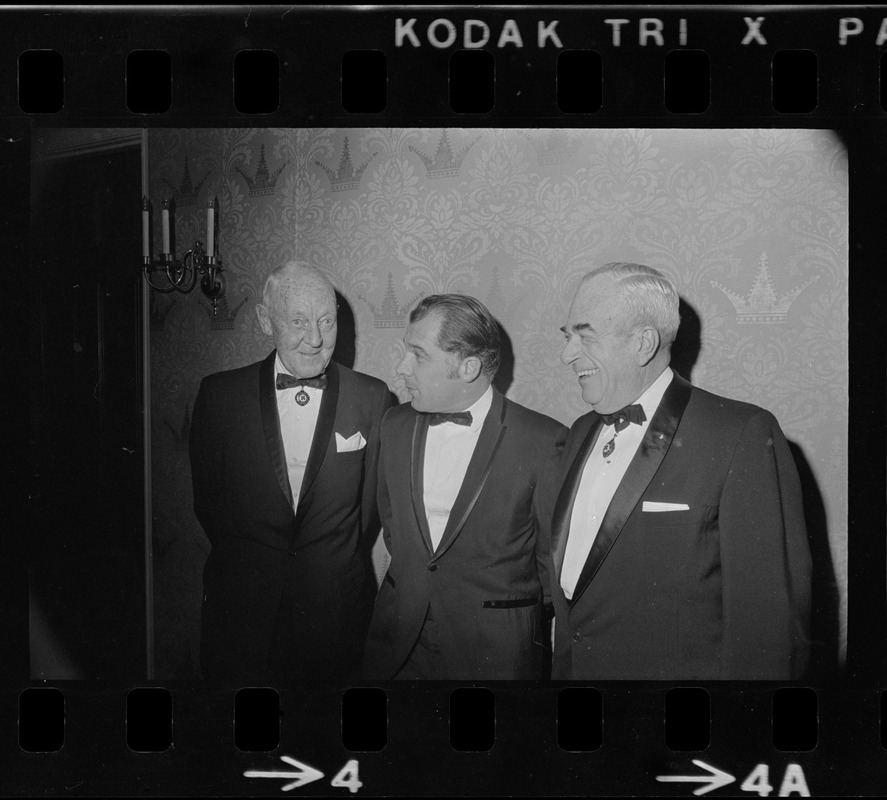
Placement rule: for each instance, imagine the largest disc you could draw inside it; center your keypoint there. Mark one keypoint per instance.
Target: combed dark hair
(467, 328)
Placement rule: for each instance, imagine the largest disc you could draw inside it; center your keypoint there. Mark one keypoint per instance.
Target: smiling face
(433, 377)
(608, 362)
(301, 318)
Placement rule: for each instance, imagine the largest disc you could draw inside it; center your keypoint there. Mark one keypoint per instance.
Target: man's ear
(264, 319)
(648, 345)
(470, 369)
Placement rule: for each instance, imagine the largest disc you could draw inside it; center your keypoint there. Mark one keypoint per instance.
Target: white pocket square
(351, 444)
(651, 506)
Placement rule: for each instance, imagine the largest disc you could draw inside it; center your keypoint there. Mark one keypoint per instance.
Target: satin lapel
(646, 461)
(326, 417)
(563, 508)
(271, 424)
(476, 475)
(417, 477)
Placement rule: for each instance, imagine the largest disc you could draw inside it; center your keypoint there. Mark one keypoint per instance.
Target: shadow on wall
(824, 611)
(505, 374)
(686, 347)
(346, 340)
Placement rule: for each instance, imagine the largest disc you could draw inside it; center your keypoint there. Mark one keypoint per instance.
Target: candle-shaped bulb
(146, 228)
(211, 228)
(164, 214)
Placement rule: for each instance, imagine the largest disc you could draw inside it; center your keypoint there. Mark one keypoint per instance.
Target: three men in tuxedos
(678, 544)
(283, 458)
(458, 473)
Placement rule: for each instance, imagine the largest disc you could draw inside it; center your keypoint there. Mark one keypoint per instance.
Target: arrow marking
(715, 779)
(304, 775)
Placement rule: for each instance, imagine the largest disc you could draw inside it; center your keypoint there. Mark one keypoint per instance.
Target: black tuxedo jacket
(483, 581)
(720, 590)
(288, 590)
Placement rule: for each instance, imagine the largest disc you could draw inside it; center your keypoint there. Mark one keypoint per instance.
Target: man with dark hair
(458, 470)
(678, 544)
(283, 460)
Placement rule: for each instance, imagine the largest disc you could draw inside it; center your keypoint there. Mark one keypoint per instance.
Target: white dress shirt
(448, 450)
(297, 425)
(601, 477)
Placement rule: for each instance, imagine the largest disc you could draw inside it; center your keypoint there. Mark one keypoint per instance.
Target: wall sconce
(181, 276)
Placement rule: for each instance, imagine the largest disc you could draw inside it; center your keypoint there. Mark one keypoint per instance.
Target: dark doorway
(87, 545)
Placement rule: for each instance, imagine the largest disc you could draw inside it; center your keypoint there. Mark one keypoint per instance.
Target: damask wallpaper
(751, 225)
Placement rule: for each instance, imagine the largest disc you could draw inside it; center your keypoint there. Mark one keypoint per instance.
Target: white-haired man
(283, 458)
(678, 544)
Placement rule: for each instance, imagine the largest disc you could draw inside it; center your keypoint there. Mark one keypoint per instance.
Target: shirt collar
(480, 408)
(651, 398)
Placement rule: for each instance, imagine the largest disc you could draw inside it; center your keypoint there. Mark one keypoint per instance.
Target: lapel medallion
(302, 397)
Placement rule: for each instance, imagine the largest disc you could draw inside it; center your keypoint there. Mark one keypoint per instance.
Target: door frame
(52, 144)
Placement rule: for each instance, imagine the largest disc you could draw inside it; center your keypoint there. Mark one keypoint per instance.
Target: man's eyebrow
(579, 326)
(412, 346)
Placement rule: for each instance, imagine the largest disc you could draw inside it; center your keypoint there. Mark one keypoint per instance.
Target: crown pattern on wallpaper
(445, 163)
(182, 436)
(390, 314)
(554, 147)
(263, 182)
(762, 304)
(157, 313)
(225, 315)
(185, 194)
(346, 176)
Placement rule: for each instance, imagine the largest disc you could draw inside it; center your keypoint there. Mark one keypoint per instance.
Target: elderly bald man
(283, 460)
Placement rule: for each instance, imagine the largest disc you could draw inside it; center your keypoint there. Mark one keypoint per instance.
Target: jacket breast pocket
(693, 517)
(674, 541)
(356, 454)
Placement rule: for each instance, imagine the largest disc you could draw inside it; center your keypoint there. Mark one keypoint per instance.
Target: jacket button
(577, 637)
(432, 567)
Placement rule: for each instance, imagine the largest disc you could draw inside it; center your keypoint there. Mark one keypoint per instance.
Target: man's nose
(568, 354)
(403, 368)
(313, 336)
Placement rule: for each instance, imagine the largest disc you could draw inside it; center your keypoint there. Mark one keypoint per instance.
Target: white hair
(650, 298)
(292, 272)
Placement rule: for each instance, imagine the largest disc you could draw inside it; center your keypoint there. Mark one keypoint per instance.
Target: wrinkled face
(604, 359)
(429, 373)
(302, 322)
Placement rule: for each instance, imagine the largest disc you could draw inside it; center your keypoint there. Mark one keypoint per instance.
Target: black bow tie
(457, 417)
(624, 416)
(287, 381)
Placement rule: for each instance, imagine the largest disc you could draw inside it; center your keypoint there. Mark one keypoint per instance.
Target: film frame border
(855, 760)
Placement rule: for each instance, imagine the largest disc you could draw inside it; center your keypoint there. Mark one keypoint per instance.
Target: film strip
(83, 83)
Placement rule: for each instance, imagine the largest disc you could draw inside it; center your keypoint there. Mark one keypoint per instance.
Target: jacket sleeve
(369, 507)
(383, 496)
(543, 504)
(765, 559)
(207, 454)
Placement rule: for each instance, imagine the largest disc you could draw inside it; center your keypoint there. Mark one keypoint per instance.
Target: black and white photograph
(735, 245)
(479, 452)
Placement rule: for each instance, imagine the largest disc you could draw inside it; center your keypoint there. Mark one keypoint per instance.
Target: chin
(308, 367)
(591, 400)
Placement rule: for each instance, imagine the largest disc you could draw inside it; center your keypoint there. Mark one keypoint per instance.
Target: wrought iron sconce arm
(181, 276)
